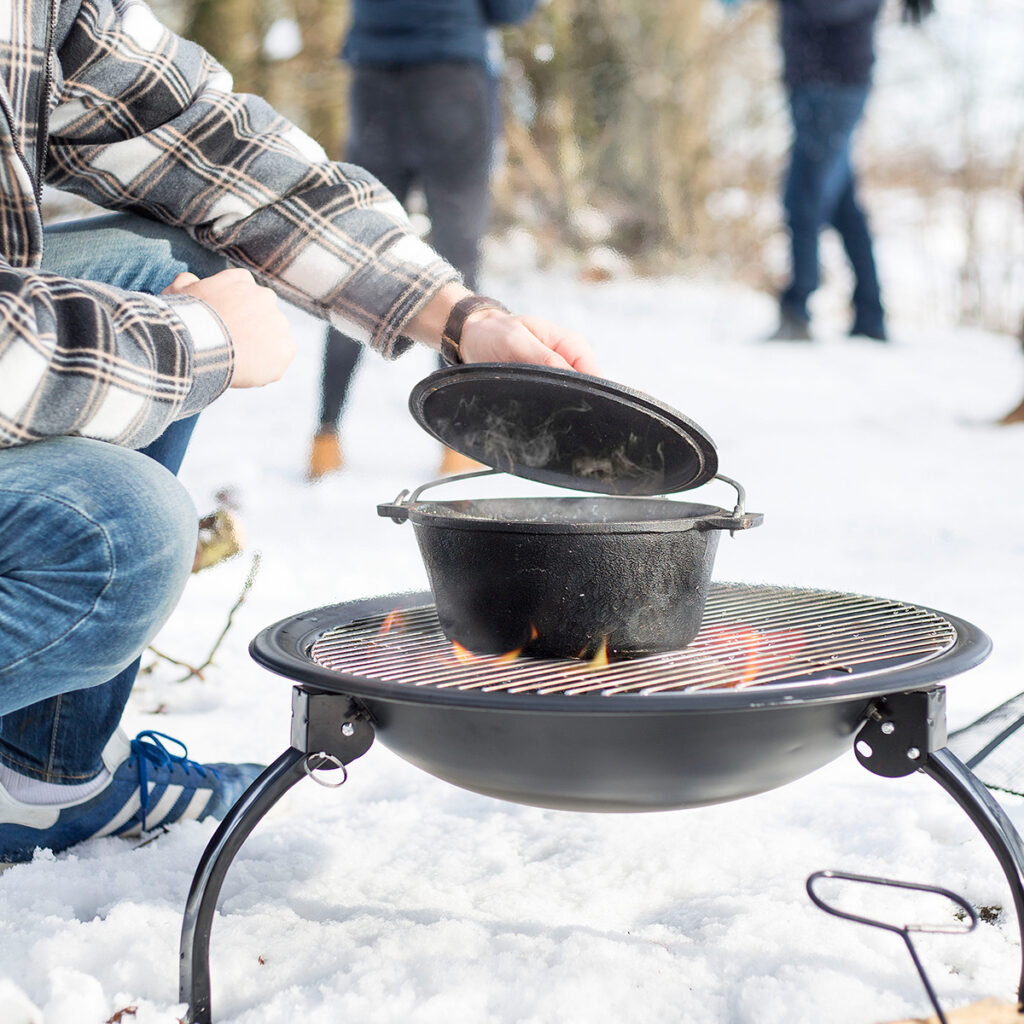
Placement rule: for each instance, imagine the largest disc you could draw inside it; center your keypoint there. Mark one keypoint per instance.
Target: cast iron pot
(566, 577)
(622, 566)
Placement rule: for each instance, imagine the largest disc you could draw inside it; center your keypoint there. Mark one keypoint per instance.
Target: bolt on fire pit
(778, 682)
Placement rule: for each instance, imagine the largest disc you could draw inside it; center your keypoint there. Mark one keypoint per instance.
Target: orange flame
(754, 651)
(600, 659)
(461, 654)
(391, 620)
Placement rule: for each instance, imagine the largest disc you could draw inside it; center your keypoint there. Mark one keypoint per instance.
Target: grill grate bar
(751, 637)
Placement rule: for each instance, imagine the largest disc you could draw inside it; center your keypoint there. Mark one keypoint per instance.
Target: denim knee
(126, 250)
(97, 544)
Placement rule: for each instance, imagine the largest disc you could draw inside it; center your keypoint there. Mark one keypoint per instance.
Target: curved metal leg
(984, 810)
(266, 790)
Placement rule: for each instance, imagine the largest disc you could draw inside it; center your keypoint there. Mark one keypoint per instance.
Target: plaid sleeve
(147, 122)
(98, 362)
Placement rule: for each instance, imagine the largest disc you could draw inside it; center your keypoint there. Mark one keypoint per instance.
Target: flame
(459, 653)
(753, 651)
(391, 620)
(600, 659)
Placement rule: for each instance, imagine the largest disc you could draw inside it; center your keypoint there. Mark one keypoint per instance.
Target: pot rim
(712, 517)
(444, 516)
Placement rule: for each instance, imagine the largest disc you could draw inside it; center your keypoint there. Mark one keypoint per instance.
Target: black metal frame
(904, 732)
(329, 731)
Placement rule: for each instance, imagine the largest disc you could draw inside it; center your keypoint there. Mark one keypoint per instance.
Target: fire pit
(778, 682)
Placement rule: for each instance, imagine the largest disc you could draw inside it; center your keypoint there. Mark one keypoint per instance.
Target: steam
(517, 436)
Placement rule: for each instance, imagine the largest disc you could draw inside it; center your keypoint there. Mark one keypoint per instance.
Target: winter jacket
(399, 32)
(99, 99)
(828, 41)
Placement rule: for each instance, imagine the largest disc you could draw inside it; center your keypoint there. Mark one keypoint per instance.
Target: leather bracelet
(451, 336)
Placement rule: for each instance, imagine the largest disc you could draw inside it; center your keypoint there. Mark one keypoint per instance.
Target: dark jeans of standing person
(429, 125)
(821, 190)
(61, 737)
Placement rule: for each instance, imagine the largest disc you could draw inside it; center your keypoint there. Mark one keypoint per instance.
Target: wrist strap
(451, 336)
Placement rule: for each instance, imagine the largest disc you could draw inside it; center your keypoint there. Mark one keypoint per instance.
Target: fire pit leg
(329, 730)
(905, 733)
(194, 987)
(986, 813)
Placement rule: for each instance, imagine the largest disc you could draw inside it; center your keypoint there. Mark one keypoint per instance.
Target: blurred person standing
(424, 110)
(828, 56)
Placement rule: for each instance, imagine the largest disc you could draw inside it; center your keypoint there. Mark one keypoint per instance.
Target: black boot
(876, 332)
(791, 327)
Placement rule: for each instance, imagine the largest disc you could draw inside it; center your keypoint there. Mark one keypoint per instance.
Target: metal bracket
(331, 724)
(901, 731)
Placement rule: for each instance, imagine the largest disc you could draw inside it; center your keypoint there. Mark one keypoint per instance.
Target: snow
(401, 898)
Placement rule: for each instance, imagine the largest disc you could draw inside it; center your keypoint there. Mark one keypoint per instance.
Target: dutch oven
(621, 569)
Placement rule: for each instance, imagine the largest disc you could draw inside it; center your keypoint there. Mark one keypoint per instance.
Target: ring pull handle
(309, 767)
(902, 930)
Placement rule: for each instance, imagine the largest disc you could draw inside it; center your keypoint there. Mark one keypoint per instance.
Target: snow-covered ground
(402, 899)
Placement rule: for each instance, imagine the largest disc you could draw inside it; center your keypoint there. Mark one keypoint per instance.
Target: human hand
(259, 330)
(493, 336)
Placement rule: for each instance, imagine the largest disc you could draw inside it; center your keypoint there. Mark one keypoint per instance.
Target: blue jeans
(96, 541)
(820, 190)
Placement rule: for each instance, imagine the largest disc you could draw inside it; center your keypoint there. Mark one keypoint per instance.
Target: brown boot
(455, 462)
(325, 455)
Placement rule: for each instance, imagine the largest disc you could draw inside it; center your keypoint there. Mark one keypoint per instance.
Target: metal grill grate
(752, 636)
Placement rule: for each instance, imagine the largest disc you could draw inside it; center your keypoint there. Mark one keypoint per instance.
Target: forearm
(97, 362)
(426, 326)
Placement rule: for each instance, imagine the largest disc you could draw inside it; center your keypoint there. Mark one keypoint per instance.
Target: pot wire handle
(450, 480)
(741, 498)
(741, 494)
(902, 930)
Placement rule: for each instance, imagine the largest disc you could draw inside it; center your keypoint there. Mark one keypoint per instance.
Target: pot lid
(564, 428)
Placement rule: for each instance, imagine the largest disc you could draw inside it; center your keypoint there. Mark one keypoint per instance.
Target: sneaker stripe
(158, 812)
(197, 806)
(179, 804)
(128, 811)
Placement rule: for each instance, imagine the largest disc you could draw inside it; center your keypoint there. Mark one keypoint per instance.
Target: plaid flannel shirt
(105, 102)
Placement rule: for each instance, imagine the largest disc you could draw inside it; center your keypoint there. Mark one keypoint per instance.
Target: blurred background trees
(648, 136)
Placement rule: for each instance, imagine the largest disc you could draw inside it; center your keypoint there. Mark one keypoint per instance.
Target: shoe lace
(150, 753)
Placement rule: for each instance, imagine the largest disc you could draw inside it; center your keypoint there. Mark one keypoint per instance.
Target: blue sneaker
(149, 788)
